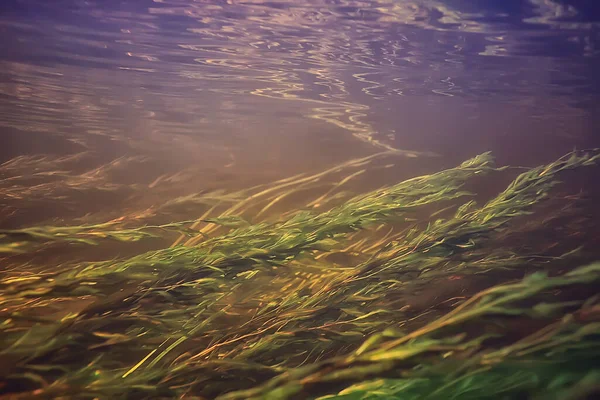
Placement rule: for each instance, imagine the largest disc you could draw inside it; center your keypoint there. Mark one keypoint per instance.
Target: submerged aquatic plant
(243, 305)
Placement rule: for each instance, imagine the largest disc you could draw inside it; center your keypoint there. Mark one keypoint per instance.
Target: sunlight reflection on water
(282, 86)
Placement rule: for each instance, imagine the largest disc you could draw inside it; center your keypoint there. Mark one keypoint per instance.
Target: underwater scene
(300, 199)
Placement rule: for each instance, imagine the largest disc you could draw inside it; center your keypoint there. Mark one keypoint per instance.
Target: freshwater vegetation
(302, 199)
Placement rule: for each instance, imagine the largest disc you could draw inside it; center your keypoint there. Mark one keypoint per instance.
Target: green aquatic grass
(437, 353)
(244, 305)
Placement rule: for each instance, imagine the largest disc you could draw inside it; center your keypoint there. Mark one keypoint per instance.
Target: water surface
(240, 92)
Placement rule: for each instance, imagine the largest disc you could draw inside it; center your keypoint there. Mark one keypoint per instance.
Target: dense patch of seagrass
(325, 300)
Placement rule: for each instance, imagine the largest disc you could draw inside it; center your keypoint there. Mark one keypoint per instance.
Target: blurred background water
(211, 94)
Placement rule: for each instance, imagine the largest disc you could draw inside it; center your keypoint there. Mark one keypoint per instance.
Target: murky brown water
(235, 93)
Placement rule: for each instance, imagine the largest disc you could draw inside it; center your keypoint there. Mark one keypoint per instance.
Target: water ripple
(133, 71)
